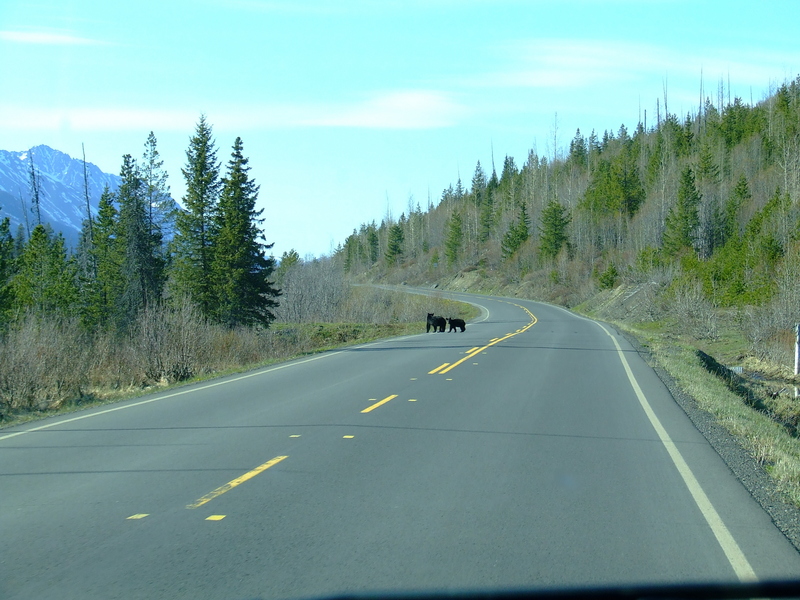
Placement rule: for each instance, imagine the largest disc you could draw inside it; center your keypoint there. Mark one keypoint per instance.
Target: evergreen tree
(45, 280)
(242, 291)
(478, 184)
(156, 189)
(352, 251)
(740, 195)
(510, 171)
(707, 169)
(6, 265)
(459, 191)
(142, 265)
(288, 260)
(553, 229)
(192, 255)
(683, 219)
(373, 243)
(34, 178)
(102, 291)
(394, 246)
(627, 173)
(455, 238)
(579, 151)
(517, 234)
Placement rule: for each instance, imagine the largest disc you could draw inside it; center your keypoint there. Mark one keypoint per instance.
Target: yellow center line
(238, 481)
(377, 404)
(475, 351)
(436, 370)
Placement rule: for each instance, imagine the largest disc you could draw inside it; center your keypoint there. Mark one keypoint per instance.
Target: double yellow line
(442, 369)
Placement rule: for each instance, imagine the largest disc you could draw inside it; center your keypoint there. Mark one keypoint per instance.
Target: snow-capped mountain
(62, 197)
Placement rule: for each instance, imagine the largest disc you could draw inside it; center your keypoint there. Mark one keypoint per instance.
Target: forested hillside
(696, 213)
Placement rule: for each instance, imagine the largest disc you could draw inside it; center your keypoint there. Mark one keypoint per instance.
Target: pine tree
(156, 189)
(102, 291)
(373, 243)
(394, 246)
(288, 260)
(683, 219)
(6, 265)
(478, 184)
(455, 238)
(740, 195)
(192, 255)
(578, 151)
(45, 280)
(34, 178)
(517, 234)
(142, 266)
(553, 229)
(242, 291)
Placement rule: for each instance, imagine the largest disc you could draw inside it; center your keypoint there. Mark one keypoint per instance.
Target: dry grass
(49, 364)
(749, 418)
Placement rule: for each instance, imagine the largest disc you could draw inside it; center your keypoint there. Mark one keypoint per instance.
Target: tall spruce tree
(156, 189)
(6, 265)
(683, 220)
(142, 266)
(193, 253)
(242, 291)
(102, 292)
(373, 243)
(455, 238)
(45, 279)
(479, 184)
(517, 234)
(394, 245)
(553, 229)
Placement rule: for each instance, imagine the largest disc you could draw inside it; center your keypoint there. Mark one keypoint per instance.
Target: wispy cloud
(31, 118)
(573, 63)
(405, 109)
(48, 38)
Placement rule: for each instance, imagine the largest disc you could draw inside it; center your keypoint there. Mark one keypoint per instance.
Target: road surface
(536, 449)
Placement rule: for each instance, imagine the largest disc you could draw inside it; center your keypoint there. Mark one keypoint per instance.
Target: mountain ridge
(62, 199)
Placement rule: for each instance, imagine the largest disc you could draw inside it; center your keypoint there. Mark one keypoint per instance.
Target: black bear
(457, 323)
(435, 322)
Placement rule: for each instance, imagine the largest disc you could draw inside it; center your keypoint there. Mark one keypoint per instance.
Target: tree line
(707, 201)
(140, 251)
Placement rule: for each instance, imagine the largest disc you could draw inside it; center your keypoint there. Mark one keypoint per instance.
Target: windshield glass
(197, 189)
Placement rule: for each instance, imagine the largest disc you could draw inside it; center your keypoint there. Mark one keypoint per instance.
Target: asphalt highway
(536, 449)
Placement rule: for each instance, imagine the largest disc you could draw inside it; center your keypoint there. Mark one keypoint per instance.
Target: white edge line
(172, 395)
(205, 387)
(736, 558)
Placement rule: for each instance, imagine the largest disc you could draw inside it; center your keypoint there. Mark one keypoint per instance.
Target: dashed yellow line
(380, 403)
(238, 481)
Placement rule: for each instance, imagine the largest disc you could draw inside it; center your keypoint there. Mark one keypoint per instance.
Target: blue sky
(349, 109)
